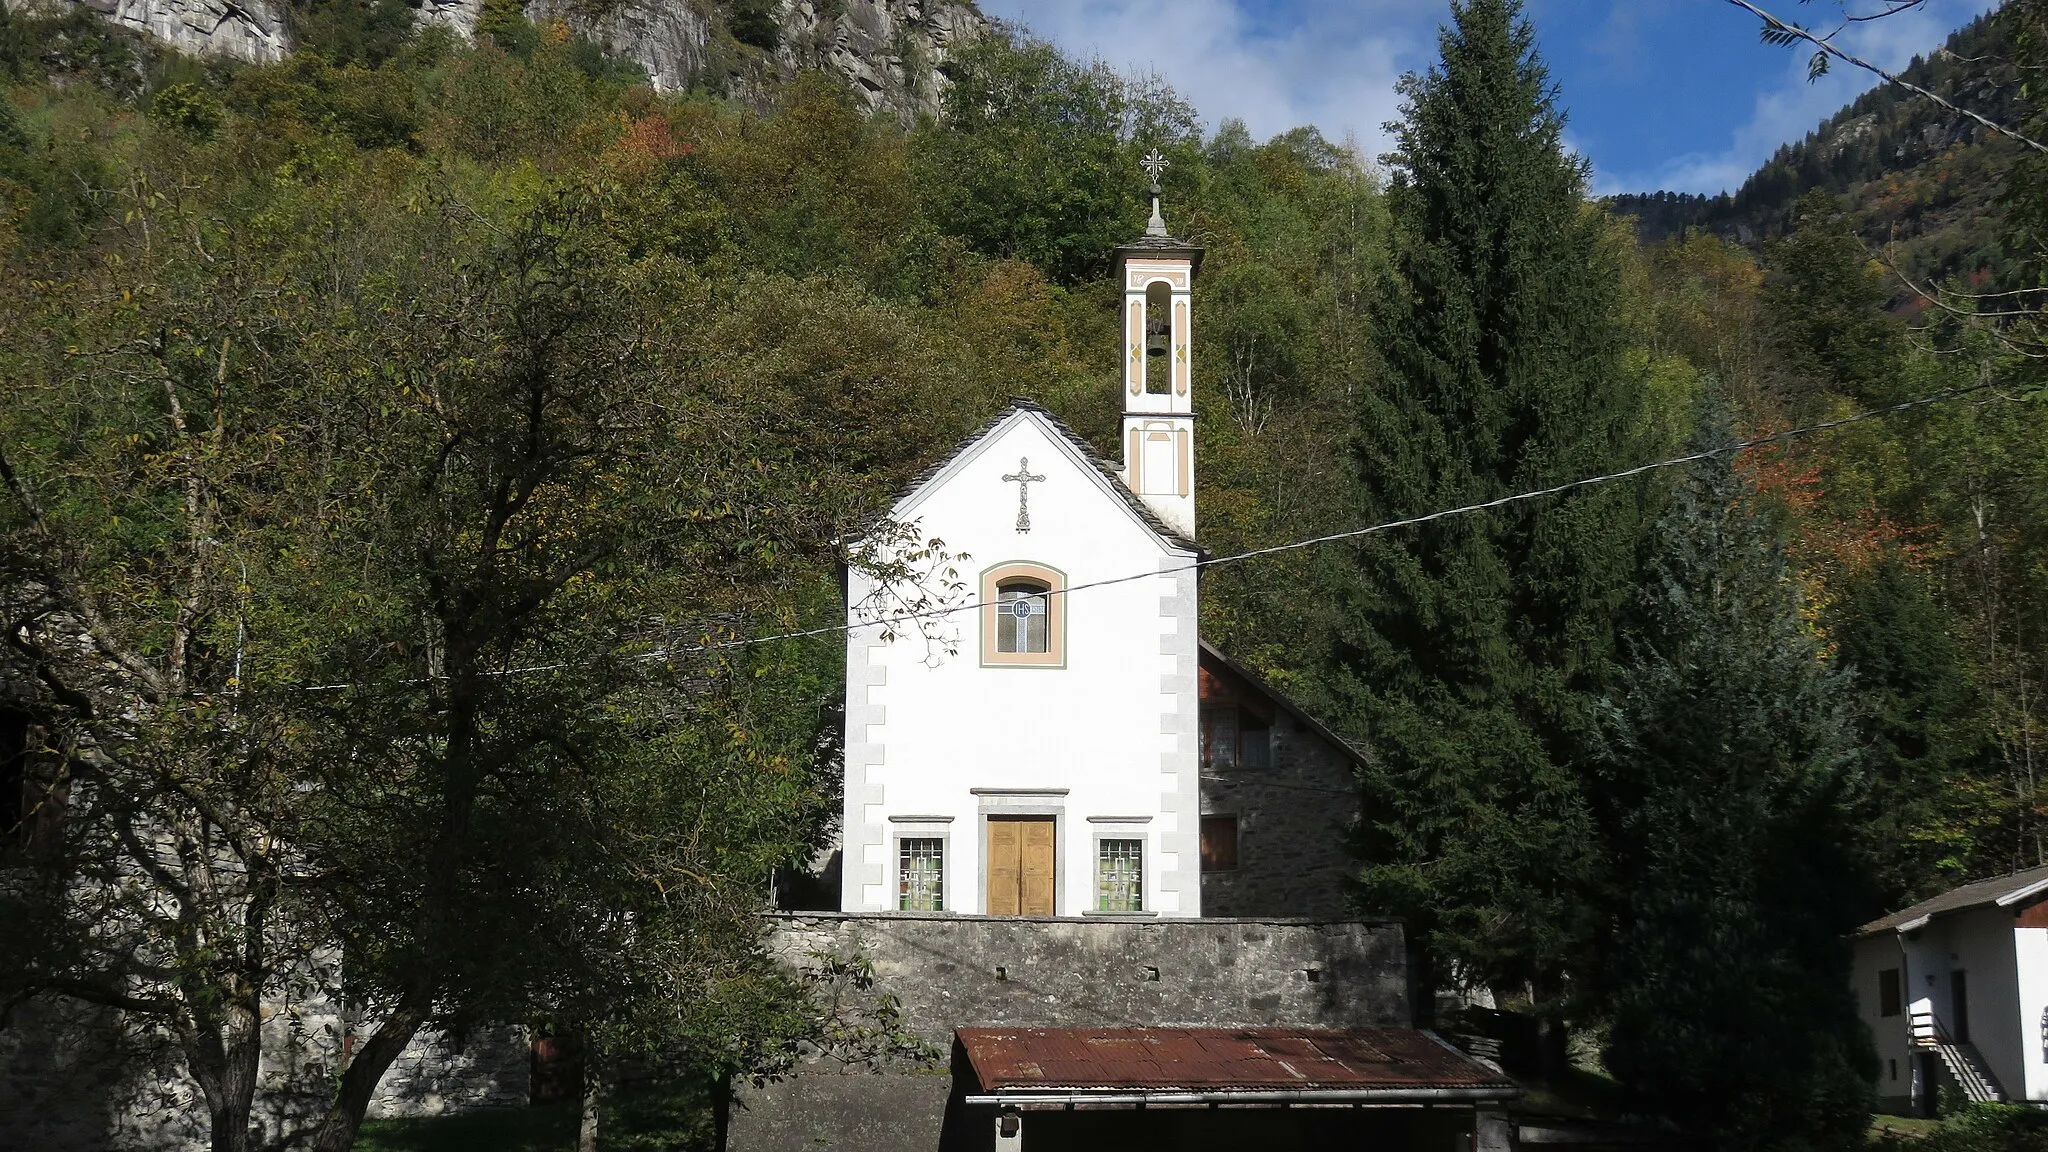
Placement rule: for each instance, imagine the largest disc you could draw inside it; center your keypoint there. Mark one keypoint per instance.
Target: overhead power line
(913, 616)
(1373, 529)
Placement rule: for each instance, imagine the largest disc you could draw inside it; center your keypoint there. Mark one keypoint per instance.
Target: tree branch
(1775, 25)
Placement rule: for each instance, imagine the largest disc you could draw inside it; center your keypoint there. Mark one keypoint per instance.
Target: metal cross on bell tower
(1154, 164)
(1023, 479)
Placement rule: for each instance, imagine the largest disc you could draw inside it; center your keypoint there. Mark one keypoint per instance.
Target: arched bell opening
(1158, 338)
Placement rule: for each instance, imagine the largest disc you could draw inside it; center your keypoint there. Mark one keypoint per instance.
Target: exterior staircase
(1960, 1060)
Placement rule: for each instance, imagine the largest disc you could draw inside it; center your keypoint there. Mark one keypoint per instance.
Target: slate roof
(1384, 1062)
(2000, 891)
(1158, 246)
(1087, 451)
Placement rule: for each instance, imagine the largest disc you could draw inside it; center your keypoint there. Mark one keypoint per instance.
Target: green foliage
(1476, 645)
(1924, 738)
(366, 32)
(1824, 300)
(504, 23)
(753, 23)
(1978, 1128)
(1034, 161)
(189, 108)
(1724, 802)
(74, 44)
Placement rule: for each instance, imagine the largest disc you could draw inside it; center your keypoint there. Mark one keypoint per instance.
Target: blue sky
(1676, 94)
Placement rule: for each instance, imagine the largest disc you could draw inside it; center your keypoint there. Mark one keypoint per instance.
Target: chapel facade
(1066, 744)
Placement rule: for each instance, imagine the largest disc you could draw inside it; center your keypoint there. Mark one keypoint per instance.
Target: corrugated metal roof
(1219, 1059)
(1977, 895)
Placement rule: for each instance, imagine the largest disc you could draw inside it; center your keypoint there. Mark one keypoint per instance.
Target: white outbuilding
(1955, 992)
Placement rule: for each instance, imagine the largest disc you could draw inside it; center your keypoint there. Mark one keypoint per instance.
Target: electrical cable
(1291, 546)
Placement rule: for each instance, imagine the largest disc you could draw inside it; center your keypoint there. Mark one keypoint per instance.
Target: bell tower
(1157, 275)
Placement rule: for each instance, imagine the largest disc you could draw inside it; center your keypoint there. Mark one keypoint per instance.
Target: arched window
(1023, 615)
(1158, 339)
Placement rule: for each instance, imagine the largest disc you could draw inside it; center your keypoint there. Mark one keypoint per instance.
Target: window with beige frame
(1023, 616)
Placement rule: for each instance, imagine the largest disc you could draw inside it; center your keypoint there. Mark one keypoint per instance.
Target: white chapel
(1074, 749)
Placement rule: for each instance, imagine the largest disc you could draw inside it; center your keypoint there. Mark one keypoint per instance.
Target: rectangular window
(1120, 876)
(1219, 843)
(921, 875)
(1888, 992)
(1255, 738)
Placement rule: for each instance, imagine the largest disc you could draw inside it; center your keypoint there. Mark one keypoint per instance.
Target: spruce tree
(1726, 797)
(1475, 645)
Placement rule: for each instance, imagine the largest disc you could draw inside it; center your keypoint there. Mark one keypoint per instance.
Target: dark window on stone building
(1219, 843)
(1888, 992)
(1255, 740)
(1219, 737)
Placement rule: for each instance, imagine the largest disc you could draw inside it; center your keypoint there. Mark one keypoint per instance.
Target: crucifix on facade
(1023, 479)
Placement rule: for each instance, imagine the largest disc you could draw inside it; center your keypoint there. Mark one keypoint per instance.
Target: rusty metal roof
(1238, 1060)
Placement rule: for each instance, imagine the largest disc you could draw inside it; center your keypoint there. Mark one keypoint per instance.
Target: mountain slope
(1913, 175)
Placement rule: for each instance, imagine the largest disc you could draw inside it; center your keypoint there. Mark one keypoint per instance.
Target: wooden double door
(1022, 865)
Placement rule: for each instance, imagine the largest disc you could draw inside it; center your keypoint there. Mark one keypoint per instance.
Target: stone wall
(80, 1079)
(953, 971)
(950, 971)
(438, 1075)
(73, 1079)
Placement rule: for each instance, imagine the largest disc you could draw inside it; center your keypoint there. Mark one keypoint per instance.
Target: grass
(540, 1128)
(1903, 1125)
(646, 1118)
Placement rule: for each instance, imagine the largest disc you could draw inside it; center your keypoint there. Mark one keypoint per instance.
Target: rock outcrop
(888, 51)
(251, 30)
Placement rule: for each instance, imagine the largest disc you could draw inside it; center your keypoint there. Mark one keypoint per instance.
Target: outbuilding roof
(2000, 891)
(1246, 1064)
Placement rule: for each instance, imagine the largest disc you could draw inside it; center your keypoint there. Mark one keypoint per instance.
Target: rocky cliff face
(249, 30)
(887, 50)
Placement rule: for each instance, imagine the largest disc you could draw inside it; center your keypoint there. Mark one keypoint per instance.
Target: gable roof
(1357, 755)
(1999, 892)
(1084, 454)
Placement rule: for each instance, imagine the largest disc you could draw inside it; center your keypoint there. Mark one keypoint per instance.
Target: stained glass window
(1120, 876)
(1020, 616)
(921, 875)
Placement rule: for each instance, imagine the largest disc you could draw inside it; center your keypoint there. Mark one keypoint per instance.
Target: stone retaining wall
(953, 971)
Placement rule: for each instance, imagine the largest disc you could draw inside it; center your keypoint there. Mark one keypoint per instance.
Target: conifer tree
(1726, 804)
(1475, 644)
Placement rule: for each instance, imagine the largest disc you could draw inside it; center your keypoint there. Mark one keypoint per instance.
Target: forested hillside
(1919, 181)
(414, 448)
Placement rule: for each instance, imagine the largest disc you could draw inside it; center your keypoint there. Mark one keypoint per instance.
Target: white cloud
(1791, 107)
(1333, 65)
